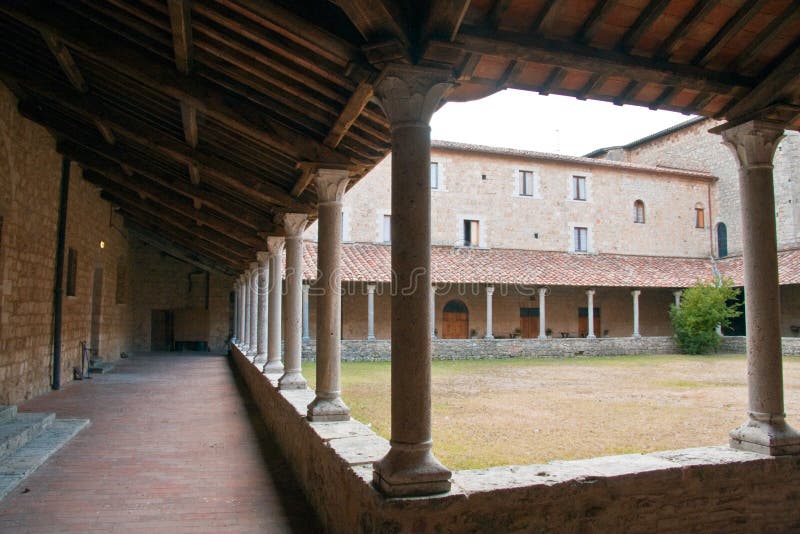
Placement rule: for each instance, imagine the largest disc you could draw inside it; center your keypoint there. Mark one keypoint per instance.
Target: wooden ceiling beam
(375, 20)
(646, 18)
(764, 38)
(107, 159)
(170, 203)
(772, 85)
(594, 82)
(542, 16)
(554, 79)
(731, 28)
(190, 128)
(496, 13)
(105, 47)
(535, 49)
(444, 19)
(350, 113)
(177, 251)
(592, 23)
(129, 201)
(180, 17)
(692, 19)
(131, 128)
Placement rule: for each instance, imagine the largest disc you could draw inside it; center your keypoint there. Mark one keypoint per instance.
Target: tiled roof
(367, 262)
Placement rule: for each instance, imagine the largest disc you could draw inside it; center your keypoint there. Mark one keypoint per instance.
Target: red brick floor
(173, 446)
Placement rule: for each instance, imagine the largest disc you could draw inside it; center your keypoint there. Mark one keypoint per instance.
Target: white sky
(529, 121)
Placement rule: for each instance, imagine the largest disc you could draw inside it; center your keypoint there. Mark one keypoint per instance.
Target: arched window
(638, 212)
(699, 215)
(455, 320)
(722, 240)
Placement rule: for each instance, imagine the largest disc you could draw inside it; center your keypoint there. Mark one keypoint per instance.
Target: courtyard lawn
(525, 411)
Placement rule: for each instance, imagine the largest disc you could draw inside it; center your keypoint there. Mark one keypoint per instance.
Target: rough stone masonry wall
(30, 176)
(162, 282)
(709, 489)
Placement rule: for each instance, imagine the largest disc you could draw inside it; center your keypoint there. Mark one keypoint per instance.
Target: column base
(324, 410)
(489, 336)
(292, 380)
(410, 470)
(591, 336)
(275, 366)
(260, 359)
(766, 434)
(370, 338)
(636, 336)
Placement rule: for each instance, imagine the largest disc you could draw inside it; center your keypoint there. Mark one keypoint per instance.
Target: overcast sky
(529, 121)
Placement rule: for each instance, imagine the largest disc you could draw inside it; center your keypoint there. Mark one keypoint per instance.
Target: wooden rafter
(731, 28)
(765, 37)
(180, 16)
(499, 9)
(646, 18)
(189, 120)
(351, 112)
(177, 251)
(693, 18)
(770, 87)
(594, 82)
(553, 80)
(541, 18)
(444, 19)
(592, 23)
(375, 19)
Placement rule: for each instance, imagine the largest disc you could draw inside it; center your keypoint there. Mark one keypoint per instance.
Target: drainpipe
(58, 295)
(710, 224)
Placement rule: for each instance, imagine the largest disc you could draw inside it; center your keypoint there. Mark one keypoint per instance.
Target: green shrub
(703, 307)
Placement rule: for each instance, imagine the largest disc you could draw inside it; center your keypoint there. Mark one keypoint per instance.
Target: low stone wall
(709, 489)
(488, 349)
(738, 345)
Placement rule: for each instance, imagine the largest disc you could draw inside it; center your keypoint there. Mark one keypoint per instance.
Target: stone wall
(484, 186)
(738, 345)
(30, 177)
(162, 282)
(709, 489)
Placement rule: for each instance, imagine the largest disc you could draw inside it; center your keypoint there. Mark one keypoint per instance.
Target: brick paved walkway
(173, 447)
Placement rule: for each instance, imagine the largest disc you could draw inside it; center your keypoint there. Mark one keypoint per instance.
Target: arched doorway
(722, 240)
(455, 320)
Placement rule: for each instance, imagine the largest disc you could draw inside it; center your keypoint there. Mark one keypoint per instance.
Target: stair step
(7, 413)
(23, 461)
(23, 428)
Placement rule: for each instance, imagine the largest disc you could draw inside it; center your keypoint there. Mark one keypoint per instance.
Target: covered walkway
(174, 446)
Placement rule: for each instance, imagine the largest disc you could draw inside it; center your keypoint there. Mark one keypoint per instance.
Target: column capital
(294, 224)
(754, 142)
(590, 291)
(490, 290)
(331, 184)
(411, 94)
(636, 292)
(275, 245)
(263, 257)
(371, 287)
(306, 287)
(544, 290)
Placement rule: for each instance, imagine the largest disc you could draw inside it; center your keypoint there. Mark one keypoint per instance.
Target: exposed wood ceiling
(202, 120)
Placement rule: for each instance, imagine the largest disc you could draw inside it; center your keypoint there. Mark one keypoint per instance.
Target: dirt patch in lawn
(505, 412)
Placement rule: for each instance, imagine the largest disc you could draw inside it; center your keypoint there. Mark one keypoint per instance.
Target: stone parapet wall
(708, 489)
(738, 344)
(488, 349)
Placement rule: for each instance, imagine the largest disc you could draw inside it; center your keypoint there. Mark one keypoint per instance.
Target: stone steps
(27, 440)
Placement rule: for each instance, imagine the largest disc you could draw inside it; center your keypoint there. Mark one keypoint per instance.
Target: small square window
(581, 239)
(699, 216)
(471, 233)
(526, 183)
(579, 188)
(434, 175)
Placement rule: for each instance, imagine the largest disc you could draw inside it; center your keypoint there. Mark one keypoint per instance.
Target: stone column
(635, 294)
(294, 224)
(235, 333)
(328, 404)
(542, 313)
(409, 95)
(433, 311)
(275, 295)
(489, 293)
(677, 294)
(766, 430)
(371, 312)
(260, 292)
(246, 311)
(252, 344)
(590, 312)
(306, 329)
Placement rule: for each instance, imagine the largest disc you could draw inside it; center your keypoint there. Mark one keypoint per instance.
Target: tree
(703, 307)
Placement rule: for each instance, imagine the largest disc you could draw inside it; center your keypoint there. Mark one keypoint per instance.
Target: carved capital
(754, 143)
(275, 245)
(294, 224)
(262, 257)
(411, 94)
(331, 184)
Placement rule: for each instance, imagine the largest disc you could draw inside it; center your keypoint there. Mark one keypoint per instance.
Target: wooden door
(162, 330)
(583, 322)
(529, 322)
(455, 320)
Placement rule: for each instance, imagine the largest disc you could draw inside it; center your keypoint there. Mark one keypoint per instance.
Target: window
(434, 175)
(471, 233)
(387, 229)
(72, 271)
(699, 216)
(581, 239)
(722, 240)
(526, 183)
(578, 188)
(638, 212)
